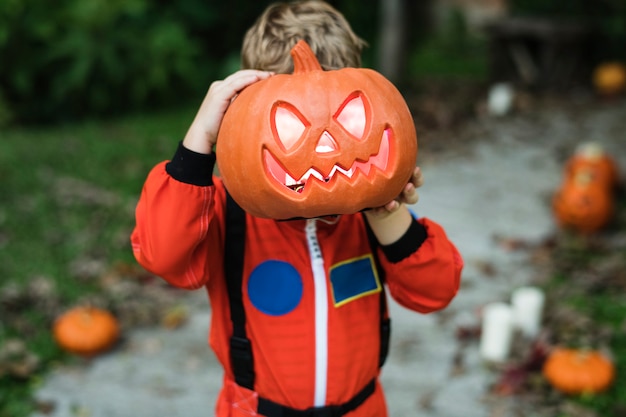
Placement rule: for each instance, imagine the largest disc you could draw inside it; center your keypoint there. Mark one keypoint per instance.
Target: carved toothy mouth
(276, 170)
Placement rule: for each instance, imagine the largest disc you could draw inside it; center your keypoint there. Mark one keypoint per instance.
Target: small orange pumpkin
(609, 78)
(316, 142)
(574, 371)
(583, 204)
(86, 330)
(592, 158)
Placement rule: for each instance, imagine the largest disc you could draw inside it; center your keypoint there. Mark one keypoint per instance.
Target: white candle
(528, 310)
(497, 332)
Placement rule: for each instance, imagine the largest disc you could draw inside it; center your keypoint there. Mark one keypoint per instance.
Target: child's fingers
(202, 134)
(412, 199)
(236, 82)
(392, 206)
(222, 92)
(410, 195)
(417, 179)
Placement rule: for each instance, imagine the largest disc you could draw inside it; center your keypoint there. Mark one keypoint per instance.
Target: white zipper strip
(321, 314)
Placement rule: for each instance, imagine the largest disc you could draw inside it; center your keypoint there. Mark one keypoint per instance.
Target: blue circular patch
(275, 287)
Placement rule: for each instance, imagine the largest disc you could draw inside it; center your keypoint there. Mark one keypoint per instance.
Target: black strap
(385, 321)
(270, 408)
(241, 357)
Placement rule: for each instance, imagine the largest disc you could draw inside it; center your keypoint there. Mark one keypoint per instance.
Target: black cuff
(410, 242)
(191, 167)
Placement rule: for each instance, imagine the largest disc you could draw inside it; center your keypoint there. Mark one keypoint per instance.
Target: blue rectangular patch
(354, 278)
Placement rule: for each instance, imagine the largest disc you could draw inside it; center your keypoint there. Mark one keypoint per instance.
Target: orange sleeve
(177, 229)
(429, 279)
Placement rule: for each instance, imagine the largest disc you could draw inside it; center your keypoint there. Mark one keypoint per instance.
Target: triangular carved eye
(289, 124)
(352, 116)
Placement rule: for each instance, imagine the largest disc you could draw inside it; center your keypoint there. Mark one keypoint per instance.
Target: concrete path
(497, 184)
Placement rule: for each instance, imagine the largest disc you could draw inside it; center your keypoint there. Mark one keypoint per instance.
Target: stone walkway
(497, 184)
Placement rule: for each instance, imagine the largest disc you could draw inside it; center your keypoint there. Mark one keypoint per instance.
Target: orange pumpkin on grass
(576, 371)
(583, 203)
(86, 331)
(316, 142)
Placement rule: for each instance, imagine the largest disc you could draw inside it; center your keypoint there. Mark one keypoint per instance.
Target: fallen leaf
(175, 317)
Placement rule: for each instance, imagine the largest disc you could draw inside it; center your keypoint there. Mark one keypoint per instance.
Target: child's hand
(392, 220)
(408, 196)
(202, 134)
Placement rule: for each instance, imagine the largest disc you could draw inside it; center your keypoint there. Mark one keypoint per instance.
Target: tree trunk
(392, 40)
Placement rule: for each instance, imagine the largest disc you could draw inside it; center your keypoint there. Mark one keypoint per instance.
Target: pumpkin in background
(316, 142)
(582, 203)
(609, 78)
(86, 330)
(592, 158)
(575, 371)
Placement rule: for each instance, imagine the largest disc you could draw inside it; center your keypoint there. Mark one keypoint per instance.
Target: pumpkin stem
(304, 60)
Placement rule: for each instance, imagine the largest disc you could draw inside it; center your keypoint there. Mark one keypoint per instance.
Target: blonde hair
(267, 43)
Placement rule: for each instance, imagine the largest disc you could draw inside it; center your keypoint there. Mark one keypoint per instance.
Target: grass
(604, 310)
(68, 195)
(589, 280)
(585, 309)
(607, 309)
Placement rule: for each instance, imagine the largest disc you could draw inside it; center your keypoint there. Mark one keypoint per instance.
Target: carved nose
(326, 143)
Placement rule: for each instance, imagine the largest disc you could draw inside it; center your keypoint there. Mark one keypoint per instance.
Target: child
(301, 325)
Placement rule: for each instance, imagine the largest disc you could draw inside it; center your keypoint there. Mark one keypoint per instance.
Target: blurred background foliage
(69, 59)
(607, 18)
(104, 57)
(107, 56)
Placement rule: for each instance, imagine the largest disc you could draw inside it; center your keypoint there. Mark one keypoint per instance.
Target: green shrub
(453, 51)
(91, 56)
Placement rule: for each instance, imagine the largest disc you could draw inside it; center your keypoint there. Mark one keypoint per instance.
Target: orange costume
(311, 290)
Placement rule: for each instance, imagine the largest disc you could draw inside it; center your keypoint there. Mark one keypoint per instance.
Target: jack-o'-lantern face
(316, 142)
(345, 132)
(583, 204)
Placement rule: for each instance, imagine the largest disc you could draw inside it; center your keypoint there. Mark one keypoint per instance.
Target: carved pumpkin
(590, 157)
(583, 203)
(609, 78)
(574, 371)
(86, 330)
(316, 142)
